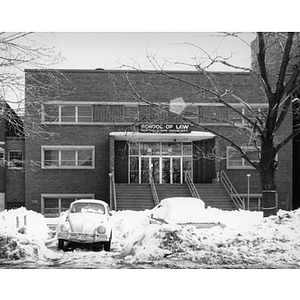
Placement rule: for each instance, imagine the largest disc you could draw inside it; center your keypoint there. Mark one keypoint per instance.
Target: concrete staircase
(172, 190)
(134, 196)
(139, 197)
(215, 195)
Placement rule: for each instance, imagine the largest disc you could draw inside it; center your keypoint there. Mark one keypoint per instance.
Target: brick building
(108, 134)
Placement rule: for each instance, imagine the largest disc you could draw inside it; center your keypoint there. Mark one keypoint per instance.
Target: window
(2, 156)
(68, 157)
(151, 114)
(212, 114)
(15, 159)
(54, 205)
(219, 114)
(89, 113)
(67, 113)
(2, 152)
(236, 161)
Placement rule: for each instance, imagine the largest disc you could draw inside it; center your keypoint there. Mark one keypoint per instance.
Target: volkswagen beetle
(86, 222)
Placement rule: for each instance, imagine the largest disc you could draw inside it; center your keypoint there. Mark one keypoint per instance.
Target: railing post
(153, 188)
(112, 194)
(110, 191)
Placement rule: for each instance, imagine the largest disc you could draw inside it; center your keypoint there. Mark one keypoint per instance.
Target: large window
(89, 113)
(68, 157)
(15, 159)
(53, 205)
(68, 113)
(236, 161)
(218, 114)
(128, 112)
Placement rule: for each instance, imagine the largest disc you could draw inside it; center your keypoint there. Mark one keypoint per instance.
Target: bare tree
(18, 51)
(278, 68)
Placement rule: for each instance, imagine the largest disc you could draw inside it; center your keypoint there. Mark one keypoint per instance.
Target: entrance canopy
(179, 137)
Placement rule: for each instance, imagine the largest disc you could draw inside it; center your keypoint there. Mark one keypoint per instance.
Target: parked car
(86, 222)
(183, 211)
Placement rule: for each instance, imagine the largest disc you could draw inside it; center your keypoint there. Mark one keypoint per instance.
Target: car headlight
(64, 227)
(101, 229)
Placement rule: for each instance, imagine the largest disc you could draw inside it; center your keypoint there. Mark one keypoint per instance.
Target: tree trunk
(267, 167)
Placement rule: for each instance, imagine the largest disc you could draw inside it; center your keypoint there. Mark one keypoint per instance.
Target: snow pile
(249, 239)
(23, 234)
(128, 225)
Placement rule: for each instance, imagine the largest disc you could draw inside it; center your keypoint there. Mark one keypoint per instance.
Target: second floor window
(15, 159)
(68, 113)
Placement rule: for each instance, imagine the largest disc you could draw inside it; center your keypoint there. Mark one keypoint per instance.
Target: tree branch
(261, 59)
(283, 67)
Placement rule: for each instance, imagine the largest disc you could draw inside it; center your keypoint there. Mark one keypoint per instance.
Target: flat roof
(100, 70)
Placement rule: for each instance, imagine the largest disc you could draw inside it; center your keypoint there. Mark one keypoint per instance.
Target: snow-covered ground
(249, 240)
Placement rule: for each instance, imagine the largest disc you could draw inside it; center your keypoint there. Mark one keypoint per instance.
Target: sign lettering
(165, 128)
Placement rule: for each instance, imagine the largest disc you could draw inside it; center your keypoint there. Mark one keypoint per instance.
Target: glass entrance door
(167, 162)
(150, 164)
(171, 170)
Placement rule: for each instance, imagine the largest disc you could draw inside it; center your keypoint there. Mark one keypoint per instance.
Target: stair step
(134, 196)
(215, 195)
(139, 196)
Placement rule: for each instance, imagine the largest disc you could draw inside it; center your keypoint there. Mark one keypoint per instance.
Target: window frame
(237, 120)
(60, 106)
(61, 148)
(11, 163)
(2, 153)
(243, 166)
(59, 197)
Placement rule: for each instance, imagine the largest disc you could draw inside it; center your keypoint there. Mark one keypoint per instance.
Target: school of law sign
(165, 128)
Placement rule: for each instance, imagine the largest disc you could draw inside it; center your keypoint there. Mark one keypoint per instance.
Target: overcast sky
(111, 50)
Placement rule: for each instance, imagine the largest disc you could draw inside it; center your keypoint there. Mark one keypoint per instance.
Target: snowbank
(249, 239)
(23, 234)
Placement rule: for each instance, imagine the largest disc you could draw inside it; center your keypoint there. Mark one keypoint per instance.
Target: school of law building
(111, 135)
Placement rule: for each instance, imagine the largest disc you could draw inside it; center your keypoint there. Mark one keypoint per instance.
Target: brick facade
(114, 88)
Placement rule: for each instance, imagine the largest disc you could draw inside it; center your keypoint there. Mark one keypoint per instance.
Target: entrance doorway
(166, 161)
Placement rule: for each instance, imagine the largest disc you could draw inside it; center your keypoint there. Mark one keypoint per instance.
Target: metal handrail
(237, 200)
(113, 196)
(191, 186)
(153, 189)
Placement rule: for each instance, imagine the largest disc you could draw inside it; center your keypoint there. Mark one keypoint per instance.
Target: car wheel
(107, 244)
(60, 245)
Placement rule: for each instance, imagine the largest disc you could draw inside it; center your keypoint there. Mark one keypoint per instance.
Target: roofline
(133, 71)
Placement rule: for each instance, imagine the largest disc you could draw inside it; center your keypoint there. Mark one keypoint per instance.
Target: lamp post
(248, 190)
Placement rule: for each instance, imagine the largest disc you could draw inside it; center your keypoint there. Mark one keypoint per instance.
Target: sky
(115, 50)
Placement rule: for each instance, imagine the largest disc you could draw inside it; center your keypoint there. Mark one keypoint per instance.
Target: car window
(88, 208)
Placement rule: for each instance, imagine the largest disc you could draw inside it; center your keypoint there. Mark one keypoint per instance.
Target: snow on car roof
(90, 201)
(182, 209)
(176, 200)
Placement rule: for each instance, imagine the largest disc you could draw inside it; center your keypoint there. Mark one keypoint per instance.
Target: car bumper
(83, 237)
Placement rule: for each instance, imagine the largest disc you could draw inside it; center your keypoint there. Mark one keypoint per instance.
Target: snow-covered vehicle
(183, 211)
(86, 222)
